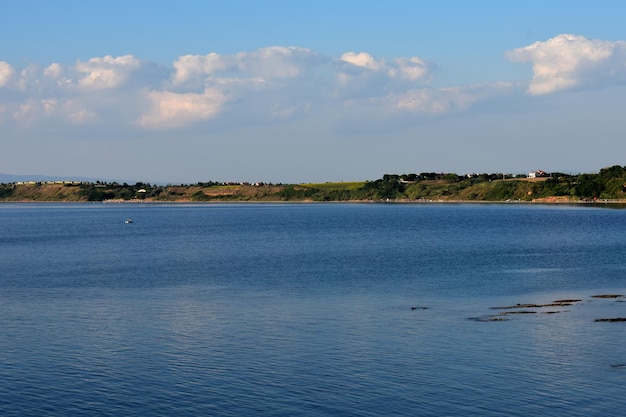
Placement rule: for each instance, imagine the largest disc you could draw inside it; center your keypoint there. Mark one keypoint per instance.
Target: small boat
(129, 220)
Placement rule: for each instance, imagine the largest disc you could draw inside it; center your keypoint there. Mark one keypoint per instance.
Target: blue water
(310, 310)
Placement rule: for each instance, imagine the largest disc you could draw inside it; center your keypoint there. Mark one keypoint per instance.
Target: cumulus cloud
(170, 109)
(361, 75)
(278, 83)
(106, 72)
(6, 73)
(274, 83)
(363, 60)
(33, 112)
(188, 67)
(412, 69)
(54, 70)
(569, 61)
(270, 63)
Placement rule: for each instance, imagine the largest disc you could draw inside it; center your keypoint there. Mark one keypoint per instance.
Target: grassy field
(339, 186)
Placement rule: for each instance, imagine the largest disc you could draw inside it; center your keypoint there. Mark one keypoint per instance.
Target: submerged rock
(617, 319)
(523, 308)
(555, 304)
(498, 317)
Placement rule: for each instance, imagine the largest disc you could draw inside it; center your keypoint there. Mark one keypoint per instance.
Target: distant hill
(608, 185)
(9, 178)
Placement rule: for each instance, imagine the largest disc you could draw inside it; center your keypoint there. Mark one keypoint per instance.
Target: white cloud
(192, 66)
(570, 61)
(266, 84)
(170, 109)
(363, 60)
(361, 75)
(33, 112)
(6, 73)
(274, 83)
(426, 101)
(277, 84)
(412, 69)
(107, 72)
(28, 78)
(54, 70)
(57, 73)
(270, 63)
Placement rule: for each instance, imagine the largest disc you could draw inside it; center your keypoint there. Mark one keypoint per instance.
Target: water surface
(310, 309)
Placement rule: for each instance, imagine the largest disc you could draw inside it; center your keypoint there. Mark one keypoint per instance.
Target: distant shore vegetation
(608, 185)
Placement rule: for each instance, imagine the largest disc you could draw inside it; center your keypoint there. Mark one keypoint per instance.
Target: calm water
(307, 310)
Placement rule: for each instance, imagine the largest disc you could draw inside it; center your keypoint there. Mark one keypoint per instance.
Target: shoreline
(543, 201)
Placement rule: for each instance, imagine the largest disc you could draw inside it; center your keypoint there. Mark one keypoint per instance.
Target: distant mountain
(8, 178)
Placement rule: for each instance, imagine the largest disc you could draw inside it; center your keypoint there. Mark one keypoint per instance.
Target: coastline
(541, 201)
(377, 192)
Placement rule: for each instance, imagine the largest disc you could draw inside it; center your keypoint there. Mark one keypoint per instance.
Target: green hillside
(608, 185)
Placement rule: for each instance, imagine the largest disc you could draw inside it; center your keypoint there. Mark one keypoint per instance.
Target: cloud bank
(278, 83)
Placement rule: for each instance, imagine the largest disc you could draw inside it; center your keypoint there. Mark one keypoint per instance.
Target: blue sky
(286, 91)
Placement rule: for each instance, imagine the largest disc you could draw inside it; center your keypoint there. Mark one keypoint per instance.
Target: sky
(309, 91)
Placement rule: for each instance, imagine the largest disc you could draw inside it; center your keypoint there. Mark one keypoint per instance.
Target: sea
(325, 309)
